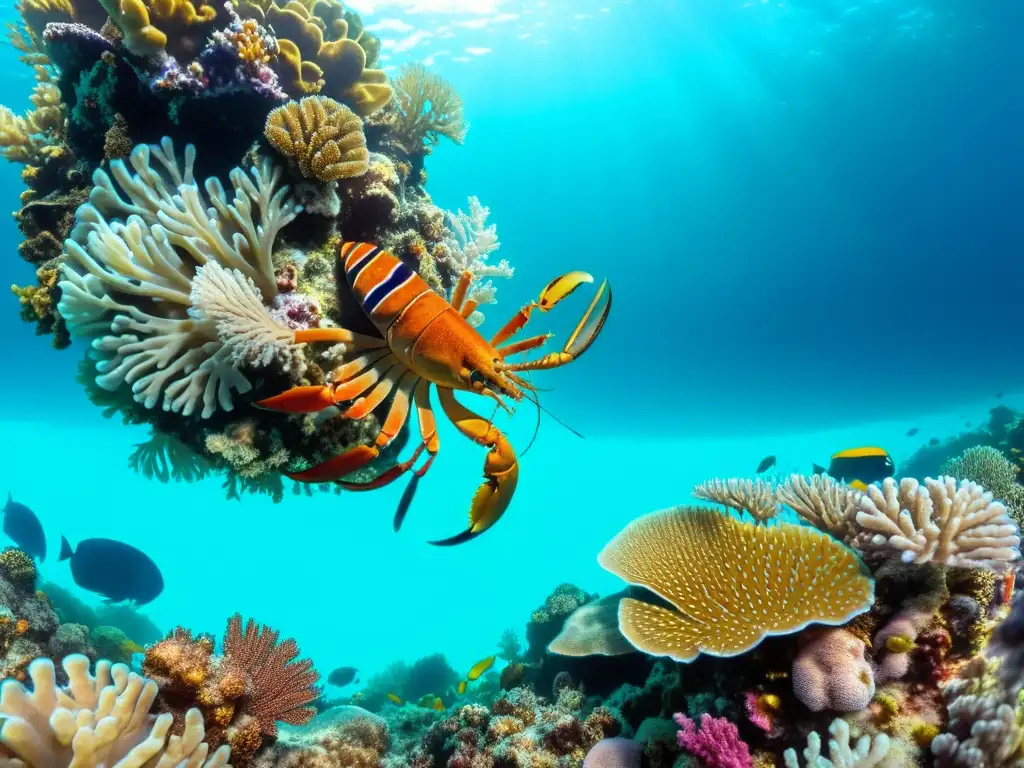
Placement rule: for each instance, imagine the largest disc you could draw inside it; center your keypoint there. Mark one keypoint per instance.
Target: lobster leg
(338, 336)
(582, 337)
(469, 308)
(358, 457)
(501, 468)
(347, 385)
(553, 293)
(461, 289)
(525, 345)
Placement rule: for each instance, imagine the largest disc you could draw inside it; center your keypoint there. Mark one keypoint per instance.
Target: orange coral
(21, 627)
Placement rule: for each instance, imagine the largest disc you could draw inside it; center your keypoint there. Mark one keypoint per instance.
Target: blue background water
(811, 217)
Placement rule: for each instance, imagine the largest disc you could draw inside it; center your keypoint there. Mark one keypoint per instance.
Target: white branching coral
(756, 497)
(939, 522)
(866, 753)
(982, 730)
(470, 240)
(96, 722)
(130, 272)
(825, 503)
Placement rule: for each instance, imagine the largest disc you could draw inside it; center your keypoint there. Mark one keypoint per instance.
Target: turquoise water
(808, 213)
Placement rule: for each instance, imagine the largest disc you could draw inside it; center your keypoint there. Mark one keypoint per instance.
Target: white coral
(128, 284)
(471, 240)
(939, 522)
(96, 722)
(825, 503)
(756, 497)
(868, 752)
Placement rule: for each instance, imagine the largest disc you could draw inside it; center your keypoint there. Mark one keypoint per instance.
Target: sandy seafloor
(329, 571)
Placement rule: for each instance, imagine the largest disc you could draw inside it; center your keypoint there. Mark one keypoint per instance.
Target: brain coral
(733, 582)
(322, 137)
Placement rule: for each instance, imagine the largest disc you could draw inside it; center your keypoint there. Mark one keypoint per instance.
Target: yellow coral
(733, 583)
(324, 138)
(924, 733)
(315, 58)
(426, 107)
(38, 13)
(149, 27)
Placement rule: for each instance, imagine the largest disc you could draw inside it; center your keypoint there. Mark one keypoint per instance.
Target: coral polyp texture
(322, 137)
(822, 501)
(95, 721)
(732, 583)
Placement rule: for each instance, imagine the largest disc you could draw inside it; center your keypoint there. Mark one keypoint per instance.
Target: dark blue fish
(912, 432)
(934, 441)
(113, 569)
(342, 676)
(766, 463)
(23, 528)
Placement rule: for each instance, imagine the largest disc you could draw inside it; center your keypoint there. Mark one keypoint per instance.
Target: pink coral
(717, 743)
(830, 672)
(756, 713)
(296, 311)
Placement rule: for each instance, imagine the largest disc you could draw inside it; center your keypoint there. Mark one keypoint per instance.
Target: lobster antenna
(536, 427)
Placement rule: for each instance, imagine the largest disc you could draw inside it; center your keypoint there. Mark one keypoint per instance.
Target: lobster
(426, 340)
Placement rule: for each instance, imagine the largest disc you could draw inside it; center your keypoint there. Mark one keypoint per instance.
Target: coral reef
(755, 497)
(241, 694)
(98, 719)
(322, 137)
(426, 107)
(803, 577)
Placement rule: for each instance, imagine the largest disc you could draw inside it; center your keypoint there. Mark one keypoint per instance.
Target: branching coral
(164, 458)
(984, 728)
(322, 137)
(940, 522)
(96, 721)
(755, 497)
(426, 108)
(134, 286)
(717, 742)
(733, 583)
(867, 753)
(242, 694)
(825, 503)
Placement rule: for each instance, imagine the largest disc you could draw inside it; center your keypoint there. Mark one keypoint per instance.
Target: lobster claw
(299, 400)
(561, 287)
(501, 469)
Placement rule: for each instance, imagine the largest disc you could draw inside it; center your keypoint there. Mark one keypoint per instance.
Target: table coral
(96, 721)
(939, 522)
(322, 137)
(137, 285)
(700, 561)
(755, 497)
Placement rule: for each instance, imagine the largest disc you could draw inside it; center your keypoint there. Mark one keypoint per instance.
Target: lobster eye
(477, 379)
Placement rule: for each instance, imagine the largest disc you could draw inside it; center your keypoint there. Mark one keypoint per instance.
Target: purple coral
(296, 310)
(717, 743)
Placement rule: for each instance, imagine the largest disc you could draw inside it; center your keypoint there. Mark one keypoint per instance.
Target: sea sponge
(322, 137)
(941, 522)
(830, 672)
(97, 720)
(755, 497)
(733, 583)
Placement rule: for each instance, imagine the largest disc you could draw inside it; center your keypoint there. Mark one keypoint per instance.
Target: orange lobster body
(426, 340)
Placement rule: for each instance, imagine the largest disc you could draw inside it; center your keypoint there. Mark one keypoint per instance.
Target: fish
(393, 698)
(116, 570)
(913, 431)
(480, 667)
(934, 441)
(861, 465)
(23, 528)
(817, 469)
(461, 688)
(438, 705)
(766, 463)
(342, 676)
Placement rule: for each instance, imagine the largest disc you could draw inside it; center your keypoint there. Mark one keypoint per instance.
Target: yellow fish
(439, 705)
(461, 689)
(394, 699)
(859, 467)
(480, 667)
